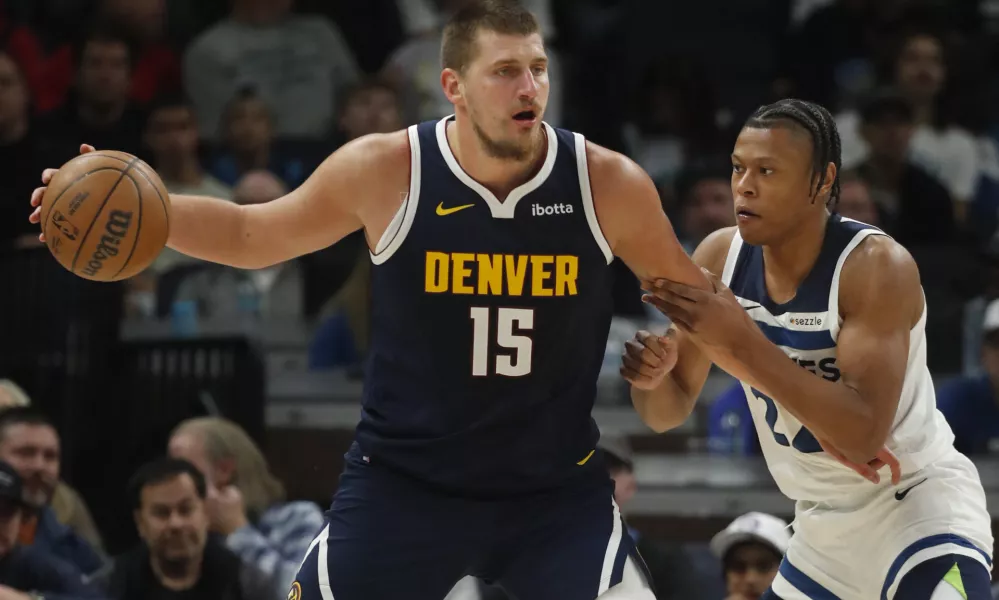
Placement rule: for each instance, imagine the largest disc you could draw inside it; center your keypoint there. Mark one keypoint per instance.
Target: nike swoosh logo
(902, 494)
(447, 211)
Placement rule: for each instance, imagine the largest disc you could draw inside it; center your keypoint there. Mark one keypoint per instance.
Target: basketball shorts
(899, 542)
(388, 537)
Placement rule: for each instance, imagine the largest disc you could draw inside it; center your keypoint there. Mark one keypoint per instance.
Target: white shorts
(863, 550)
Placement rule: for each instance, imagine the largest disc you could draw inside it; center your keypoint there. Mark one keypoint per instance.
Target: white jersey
(853, 539)
(806, 328)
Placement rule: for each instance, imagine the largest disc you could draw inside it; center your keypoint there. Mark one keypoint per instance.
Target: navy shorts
(389, 537)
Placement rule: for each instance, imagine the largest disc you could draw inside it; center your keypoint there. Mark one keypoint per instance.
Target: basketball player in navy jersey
(844, 303)
(491, 235)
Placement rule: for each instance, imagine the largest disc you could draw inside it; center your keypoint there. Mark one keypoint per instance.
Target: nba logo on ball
(105, 216)
(296, 592)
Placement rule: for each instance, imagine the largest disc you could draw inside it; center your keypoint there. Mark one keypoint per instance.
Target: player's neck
(499, 176)
(788, 263)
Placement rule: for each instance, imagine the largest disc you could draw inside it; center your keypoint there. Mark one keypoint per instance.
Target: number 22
(803, 441)
(508, 320)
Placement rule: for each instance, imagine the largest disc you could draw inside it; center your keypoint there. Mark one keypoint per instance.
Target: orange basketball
(105, 215)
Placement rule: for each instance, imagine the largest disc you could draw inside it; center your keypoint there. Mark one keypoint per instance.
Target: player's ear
(451, 82)
(830, 179)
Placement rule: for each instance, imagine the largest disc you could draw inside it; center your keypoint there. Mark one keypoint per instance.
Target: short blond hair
(225, 440)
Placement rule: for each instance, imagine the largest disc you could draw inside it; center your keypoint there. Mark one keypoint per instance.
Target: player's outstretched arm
(352, 188)
(668, 373)
(331, 204)
(632, 220)
(880, 301)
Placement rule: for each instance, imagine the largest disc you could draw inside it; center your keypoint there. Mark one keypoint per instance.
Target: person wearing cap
(916, 207)
(971, 403)
(26, 572)
(751, 549)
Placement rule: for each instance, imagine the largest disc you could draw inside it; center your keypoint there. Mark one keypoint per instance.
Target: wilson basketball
(105, 215)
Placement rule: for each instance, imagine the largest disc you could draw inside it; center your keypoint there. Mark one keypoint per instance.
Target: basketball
(105, 215)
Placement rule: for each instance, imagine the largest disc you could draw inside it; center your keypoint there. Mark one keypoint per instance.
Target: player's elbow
(864, 443)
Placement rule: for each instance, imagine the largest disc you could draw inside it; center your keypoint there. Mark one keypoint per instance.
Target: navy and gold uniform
(475, 453)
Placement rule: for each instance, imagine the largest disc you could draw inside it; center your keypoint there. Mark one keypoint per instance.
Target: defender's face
(771, 183)
(505, 91)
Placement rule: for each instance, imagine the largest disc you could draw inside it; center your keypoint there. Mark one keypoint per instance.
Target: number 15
(508, 319)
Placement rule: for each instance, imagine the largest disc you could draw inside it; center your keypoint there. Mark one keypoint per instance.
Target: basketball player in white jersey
(844, 302)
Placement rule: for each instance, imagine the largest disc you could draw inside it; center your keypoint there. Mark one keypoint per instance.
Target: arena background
(225, 108)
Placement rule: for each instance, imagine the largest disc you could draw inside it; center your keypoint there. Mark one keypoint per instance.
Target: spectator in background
(370, 107)
(342, 337)
(274, 292)
(171, 134)
(157, 67)
(249, 144)
(27, 573)
(300, 65)
(944, 151)
(916, 208)
(247, 503)
(674, 121)
(22, 156)
(177, 559)
(855, 200)
(705, 199)
(68, 505)
(971, 403)
(100, 112)
(751, 549)
(30, 443)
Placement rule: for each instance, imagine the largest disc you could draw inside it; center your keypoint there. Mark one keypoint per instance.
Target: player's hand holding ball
(648, 358)
(105, 215)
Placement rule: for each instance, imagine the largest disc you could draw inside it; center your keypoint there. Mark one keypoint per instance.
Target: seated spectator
(28, 573)
(730, 424)
(247, 503)
(916, 208)
(751, 549)
(100, 111)
(370, 107)
(299, 63)
(177, 558)
(157, 66)
(30, 443)
(704, 192)
(248, 144)
(275, 292)
(971, 403)
(945, 152)
(855, 201)
(69, 507)
(171, 135)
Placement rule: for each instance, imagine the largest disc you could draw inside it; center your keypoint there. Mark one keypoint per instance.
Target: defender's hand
(870, 470)
(36, 196)
(648, 358)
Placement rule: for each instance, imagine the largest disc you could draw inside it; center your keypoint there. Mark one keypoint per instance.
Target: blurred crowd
(242, 100)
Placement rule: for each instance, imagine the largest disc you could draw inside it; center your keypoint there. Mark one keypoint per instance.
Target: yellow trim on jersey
(953, 577)
(583, 462)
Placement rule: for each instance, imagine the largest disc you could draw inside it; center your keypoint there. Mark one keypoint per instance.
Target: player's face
(750, 569)
(505, 91)
(33, 451)
(772, 183)
(920, 68)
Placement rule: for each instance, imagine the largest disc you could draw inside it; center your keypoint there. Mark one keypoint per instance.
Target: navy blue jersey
(489, 324)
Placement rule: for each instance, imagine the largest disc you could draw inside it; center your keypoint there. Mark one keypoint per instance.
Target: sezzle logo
(116, 228)
(555, 209)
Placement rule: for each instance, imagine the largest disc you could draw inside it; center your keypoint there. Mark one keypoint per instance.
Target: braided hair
(819, 123)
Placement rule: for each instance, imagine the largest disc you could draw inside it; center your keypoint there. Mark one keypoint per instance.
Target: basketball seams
(83, 240)
(55, 203)
(138, 228)
(166, 211)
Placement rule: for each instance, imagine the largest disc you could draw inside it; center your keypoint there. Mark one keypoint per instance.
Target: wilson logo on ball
(115, 230)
